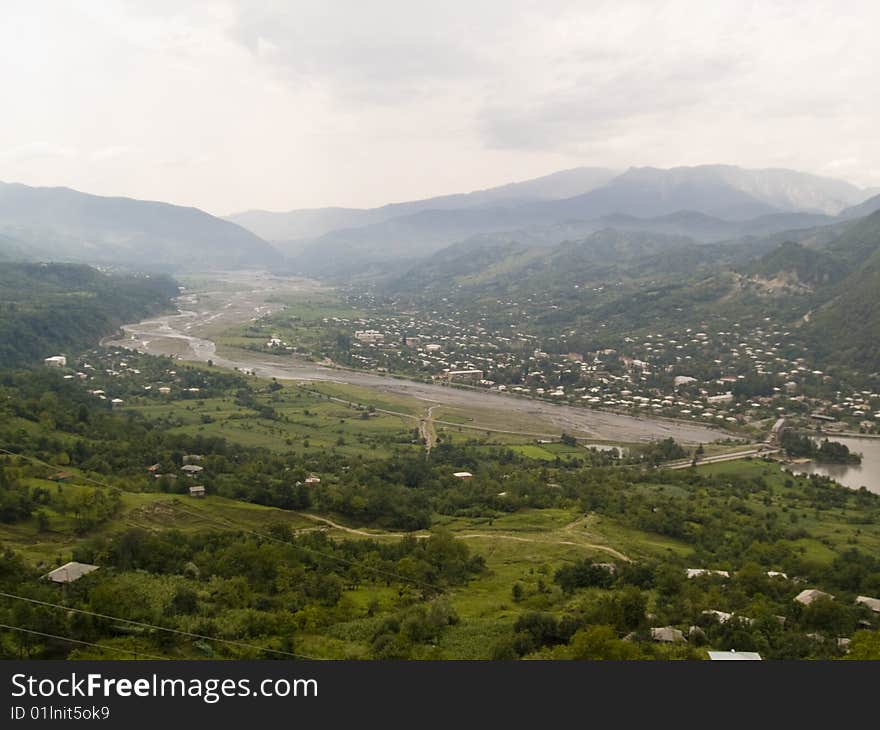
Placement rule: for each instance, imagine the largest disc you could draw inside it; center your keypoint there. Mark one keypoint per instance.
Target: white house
(667, 634)
(56, 361)
(69, 572)
(872, 603)
(697, 572)
(727, 656)
(811, 594)
(369, 336)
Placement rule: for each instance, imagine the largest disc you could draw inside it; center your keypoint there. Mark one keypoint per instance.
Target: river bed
(187, 335)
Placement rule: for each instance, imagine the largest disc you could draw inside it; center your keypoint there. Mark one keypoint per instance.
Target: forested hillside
(514, 562)
(48, 308)
(823, 283)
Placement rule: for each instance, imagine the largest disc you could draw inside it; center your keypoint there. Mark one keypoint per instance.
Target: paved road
(684, 464)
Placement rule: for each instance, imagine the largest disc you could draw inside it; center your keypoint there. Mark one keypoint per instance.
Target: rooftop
(69, 572)
(727, 656)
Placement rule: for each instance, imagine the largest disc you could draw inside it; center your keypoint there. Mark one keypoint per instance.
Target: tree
(583, 574)
(42, 520)
(600, 642)
(865, 645)
(541, 628)
(828, 616)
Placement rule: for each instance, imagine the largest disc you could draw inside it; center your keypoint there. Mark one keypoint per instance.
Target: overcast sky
(230, 105)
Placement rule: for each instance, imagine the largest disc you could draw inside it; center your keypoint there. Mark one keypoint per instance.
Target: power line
(55, 466)
(229, 523)
(154, 626)
(79, 641)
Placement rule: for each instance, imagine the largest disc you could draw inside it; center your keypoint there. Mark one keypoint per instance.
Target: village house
(459, 376)
(369, 336)
(809, 595)
(697, 572)
(56, 361)
(198, 491)
(70, 572)
(776, 432)
(872, 603)
(667, 635)
(733, 655)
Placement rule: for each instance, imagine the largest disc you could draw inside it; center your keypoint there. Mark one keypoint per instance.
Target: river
(202, 314)
(866, 474)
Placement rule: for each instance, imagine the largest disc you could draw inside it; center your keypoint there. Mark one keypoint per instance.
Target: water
(866, 474)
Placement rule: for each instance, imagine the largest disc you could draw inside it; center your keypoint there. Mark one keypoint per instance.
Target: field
(530, 510)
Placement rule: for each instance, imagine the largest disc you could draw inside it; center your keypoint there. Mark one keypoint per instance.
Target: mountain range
(824, 282)
(707, 203)
(60, 224)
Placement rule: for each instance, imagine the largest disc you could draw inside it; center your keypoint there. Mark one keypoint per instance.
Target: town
(741, 376)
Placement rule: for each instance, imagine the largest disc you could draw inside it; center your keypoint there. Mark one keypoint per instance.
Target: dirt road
(422, 535)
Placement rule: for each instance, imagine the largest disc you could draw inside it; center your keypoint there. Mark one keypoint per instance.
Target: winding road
(474, 536)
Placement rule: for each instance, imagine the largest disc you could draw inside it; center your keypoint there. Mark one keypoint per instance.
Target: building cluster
(108, 375)
(732, 376)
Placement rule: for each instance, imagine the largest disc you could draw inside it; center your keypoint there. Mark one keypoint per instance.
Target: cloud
(382, 53)
(234, 104)
(40, 150)
(608, 100)
(110, 153)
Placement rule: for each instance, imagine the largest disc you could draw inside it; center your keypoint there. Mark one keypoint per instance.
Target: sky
(231, 105)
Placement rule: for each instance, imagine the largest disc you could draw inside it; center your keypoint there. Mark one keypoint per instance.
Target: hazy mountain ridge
(871, 205)
(825, 281)
(313, 222)
(497, 265)
(64, 224)
(777, 187)
(708, 203)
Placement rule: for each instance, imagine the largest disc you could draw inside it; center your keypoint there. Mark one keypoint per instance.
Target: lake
(866, 474)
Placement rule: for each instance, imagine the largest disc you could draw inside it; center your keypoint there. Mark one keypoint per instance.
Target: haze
(235, 105)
